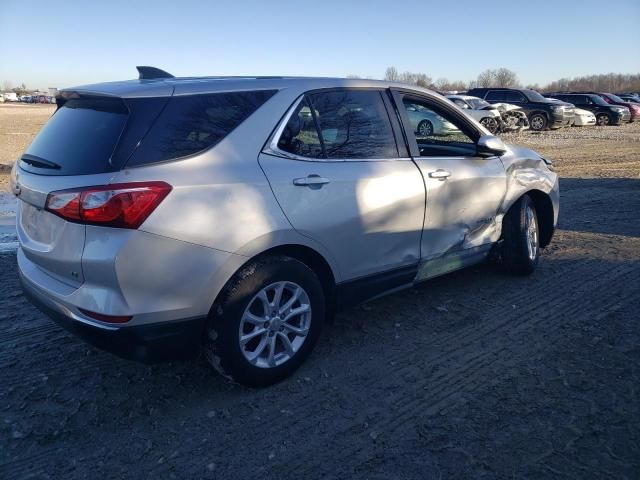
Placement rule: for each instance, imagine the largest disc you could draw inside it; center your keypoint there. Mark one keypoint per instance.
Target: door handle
(311, 181)
(440, 174)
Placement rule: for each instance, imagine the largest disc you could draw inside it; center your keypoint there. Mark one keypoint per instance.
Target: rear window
(79, 138)
(192, 123)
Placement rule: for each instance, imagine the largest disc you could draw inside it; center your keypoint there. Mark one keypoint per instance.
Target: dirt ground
(472, 375)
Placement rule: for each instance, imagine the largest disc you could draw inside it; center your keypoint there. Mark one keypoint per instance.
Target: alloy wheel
(275, 324)
(531, 227)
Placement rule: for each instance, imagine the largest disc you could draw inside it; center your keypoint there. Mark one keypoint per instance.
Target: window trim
(271, 145)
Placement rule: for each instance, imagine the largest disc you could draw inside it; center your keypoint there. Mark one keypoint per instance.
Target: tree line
(503, 77)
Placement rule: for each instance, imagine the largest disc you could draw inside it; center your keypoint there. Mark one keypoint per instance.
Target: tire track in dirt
(467, 372)
(453, 379)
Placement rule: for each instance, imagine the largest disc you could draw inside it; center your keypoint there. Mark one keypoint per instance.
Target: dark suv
(605, 114)
(612, 99)
(542, 112)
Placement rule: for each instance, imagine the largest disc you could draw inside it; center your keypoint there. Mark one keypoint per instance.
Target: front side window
(436, 132)
(515, 97)
(496, 96)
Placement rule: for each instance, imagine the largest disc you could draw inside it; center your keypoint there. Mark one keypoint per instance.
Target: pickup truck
(541, 112)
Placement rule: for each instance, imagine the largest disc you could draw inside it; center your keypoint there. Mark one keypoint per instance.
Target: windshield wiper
(39, 162)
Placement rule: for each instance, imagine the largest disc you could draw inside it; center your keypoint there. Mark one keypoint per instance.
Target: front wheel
(490, 124)
(538, 122)
(521, 238)
(266, 321)
(603, 120)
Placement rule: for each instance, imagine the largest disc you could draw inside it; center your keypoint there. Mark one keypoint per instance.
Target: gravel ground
(473, 375)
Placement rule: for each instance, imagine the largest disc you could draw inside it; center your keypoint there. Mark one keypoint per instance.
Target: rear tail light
(121, 205)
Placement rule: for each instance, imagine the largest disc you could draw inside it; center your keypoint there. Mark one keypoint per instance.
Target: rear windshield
(79, 138)
(91, 135)
(192, 123)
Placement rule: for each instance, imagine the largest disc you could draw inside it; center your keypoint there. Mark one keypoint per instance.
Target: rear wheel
(538, 122)
(603, 119)
(490, 124)
(266, 321)
(521, 244)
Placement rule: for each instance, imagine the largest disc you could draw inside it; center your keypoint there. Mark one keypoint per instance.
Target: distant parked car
(583, 118)
(426, 122)
(612, 99)
(488, 116)
(541, 112)
(630, 98)
(605, 113)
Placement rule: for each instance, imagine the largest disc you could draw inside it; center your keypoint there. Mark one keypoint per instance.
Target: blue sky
(66, 43)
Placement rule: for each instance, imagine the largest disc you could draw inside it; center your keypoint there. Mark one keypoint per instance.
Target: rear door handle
(310, 181)
(440, 174)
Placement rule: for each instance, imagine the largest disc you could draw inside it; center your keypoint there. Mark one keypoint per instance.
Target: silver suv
(161, 215)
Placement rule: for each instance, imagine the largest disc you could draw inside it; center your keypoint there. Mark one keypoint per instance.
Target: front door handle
(440, 174)
(311, 181)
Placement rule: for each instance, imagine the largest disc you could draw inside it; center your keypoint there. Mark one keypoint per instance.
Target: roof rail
(147, 73)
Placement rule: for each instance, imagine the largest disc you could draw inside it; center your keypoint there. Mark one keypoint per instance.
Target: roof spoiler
(147, 73)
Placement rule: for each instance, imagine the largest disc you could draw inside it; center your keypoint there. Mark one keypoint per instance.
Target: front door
(335, 168)
(464, 190)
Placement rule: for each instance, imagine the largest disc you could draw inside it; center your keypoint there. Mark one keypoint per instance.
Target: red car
(634, 108)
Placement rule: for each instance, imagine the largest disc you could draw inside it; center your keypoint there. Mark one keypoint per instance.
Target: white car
(426, 123)
(583, 118)
(478, 109)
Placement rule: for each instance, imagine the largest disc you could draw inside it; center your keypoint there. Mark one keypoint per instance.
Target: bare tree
(505, 78)
(486, 78)
(391, 74)
(7, 86)
(423, 80)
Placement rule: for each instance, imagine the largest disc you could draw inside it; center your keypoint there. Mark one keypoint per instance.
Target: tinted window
(80, 137)
(496, 96)
(516, 97)
(192, 123)
(300, 136)
(534, 96)
(436, 132)
(354, 124)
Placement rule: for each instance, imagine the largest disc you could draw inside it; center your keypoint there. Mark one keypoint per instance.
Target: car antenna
(147, 73)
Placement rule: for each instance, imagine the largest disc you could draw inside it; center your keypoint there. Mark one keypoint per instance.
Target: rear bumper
(150, 342)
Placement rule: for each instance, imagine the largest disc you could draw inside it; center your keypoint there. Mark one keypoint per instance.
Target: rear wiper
(39, 162)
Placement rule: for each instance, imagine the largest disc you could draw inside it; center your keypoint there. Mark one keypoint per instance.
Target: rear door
(344, 179)
(464, 190)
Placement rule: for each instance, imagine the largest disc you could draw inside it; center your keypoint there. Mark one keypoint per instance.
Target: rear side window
(79, 138)
(192, 123)
(340, 124)
(354, 124)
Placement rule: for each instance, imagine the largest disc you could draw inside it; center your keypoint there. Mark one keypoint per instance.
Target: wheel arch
(544, 213)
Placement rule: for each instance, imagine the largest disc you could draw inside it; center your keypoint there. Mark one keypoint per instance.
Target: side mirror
(490, 146)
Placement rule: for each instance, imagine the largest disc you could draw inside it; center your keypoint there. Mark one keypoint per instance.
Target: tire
(538, 122)
(425, 128)
(603, 120)
(490, 124)
(240, 311)
(521, 238)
